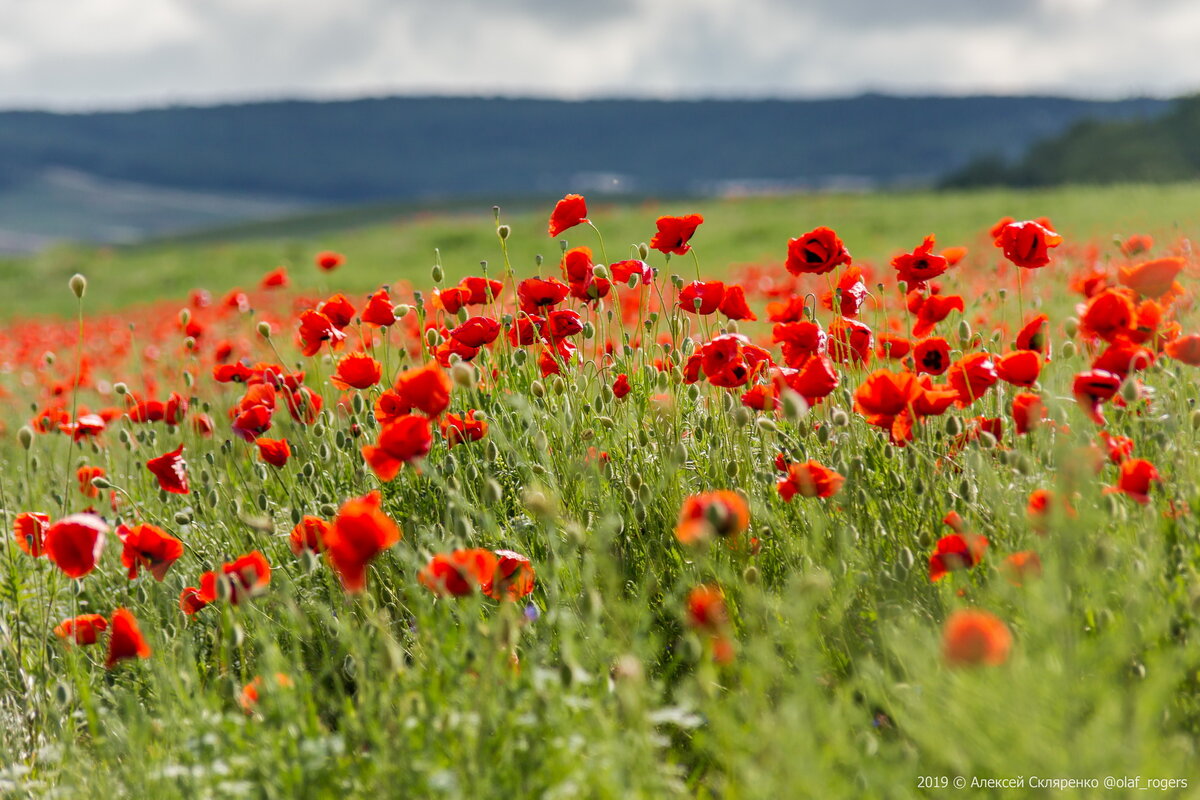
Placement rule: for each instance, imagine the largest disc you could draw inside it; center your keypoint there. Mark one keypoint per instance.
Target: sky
(87, 54)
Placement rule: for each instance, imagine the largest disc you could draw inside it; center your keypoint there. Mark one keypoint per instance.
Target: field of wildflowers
(614, 522)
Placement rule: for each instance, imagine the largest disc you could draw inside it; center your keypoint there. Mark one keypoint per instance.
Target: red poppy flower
(192, 600)
(315, 330)
(1185, 349)
(971, 376)
(536, 294)
(338, 309)
(621, 386)
(74, 543)
(1118, 448)
(401, 441)
(275, 452)
(86, 426)
(378, 312)
(814, 381)
(850, 293)
(921, 264)
(931, 356)
(425, 388)
(360, 532)
(622, 271)
(1021, 567)
(1123, 358)
(1020, 368)
(1094, 388)
(555, 356)
(29, 529)
(309, 534)
(728, 360)
(850, 341)
(884, 398)
(481, 290)
(1110, 316)
(171, 471)
(328, 260)
(1033, 335)
(568, 212)
(458, 429)
(148, 546)
(125, 640)
(576, 265)
(84, 475)
(809, 479)
(1151, 279)
(973, 637)
(356, 371)
(238, 580)
(674, 232)
(1026, 244)
(526, 329)
(249, 424)
(701, 297)
(891, 346)
(459, 573)
(450, 300)
(956, 551)
(84, 629)
(799, 340)
(562, 324)
(1040, 505)
(249, 696)
(512, 578)
(733, 304)
(1137, 477)
(931, 309)
(706, 612)
(476, 331)
(1137, 243)
(1028, 411)
(275, 279)
(717, 513)
(815, 253)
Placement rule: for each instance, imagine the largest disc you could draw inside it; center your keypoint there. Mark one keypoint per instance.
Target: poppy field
(586, 514)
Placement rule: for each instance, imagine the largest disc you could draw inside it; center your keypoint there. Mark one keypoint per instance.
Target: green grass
(753, 230)
(838, 687)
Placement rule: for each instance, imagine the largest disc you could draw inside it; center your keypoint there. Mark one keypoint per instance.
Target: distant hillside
(331, 153)
(1159, 148)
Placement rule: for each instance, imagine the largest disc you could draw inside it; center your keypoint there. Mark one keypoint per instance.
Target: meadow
(788, 501)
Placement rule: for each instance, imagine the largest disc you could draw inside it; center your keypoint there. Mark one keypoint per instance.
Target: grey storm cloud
(95, 53)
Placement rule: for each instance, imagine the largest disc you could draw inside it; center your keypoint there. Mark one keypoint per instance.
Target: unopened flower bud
(25, 436)
(78, 285)
(600, 271)
(463, 374)
(264, 329)
(438, 274)
(643, 251)
(503, 232)
(101, 482)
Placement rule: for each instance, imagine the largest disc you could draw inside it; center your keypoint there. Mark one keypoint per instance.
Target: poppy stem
(603, 251)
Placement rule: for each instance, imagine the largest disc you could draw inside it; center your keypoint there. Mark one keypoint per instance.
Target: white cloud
(84, 53)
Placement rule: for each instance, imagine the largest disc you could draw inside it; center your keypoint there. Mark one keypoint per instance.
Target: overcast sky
(106, 53)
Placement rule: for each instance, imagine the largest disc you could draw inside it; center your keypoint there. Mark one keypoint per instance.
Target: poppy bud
(589, 330)
(264, 329)
(987, 441)
(1071, 327)
(839, 418)
(78, 285)
(538, 504)
(767, 425)
(438, 274)
(401, 311)
(182, 518)
(966, 489)
(823, 434)
(731, 469)
(25, 436)
(1068, 349)
(1129, 390)
(558, 385)
(953, 426)
(433, 338)
(463, 374)
(503, 232)
(750, 575)
(100, 482)
(643, 251)
(492, 491)
(634, 280)
(1195, 420)
(190, 343)
(964, 331)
